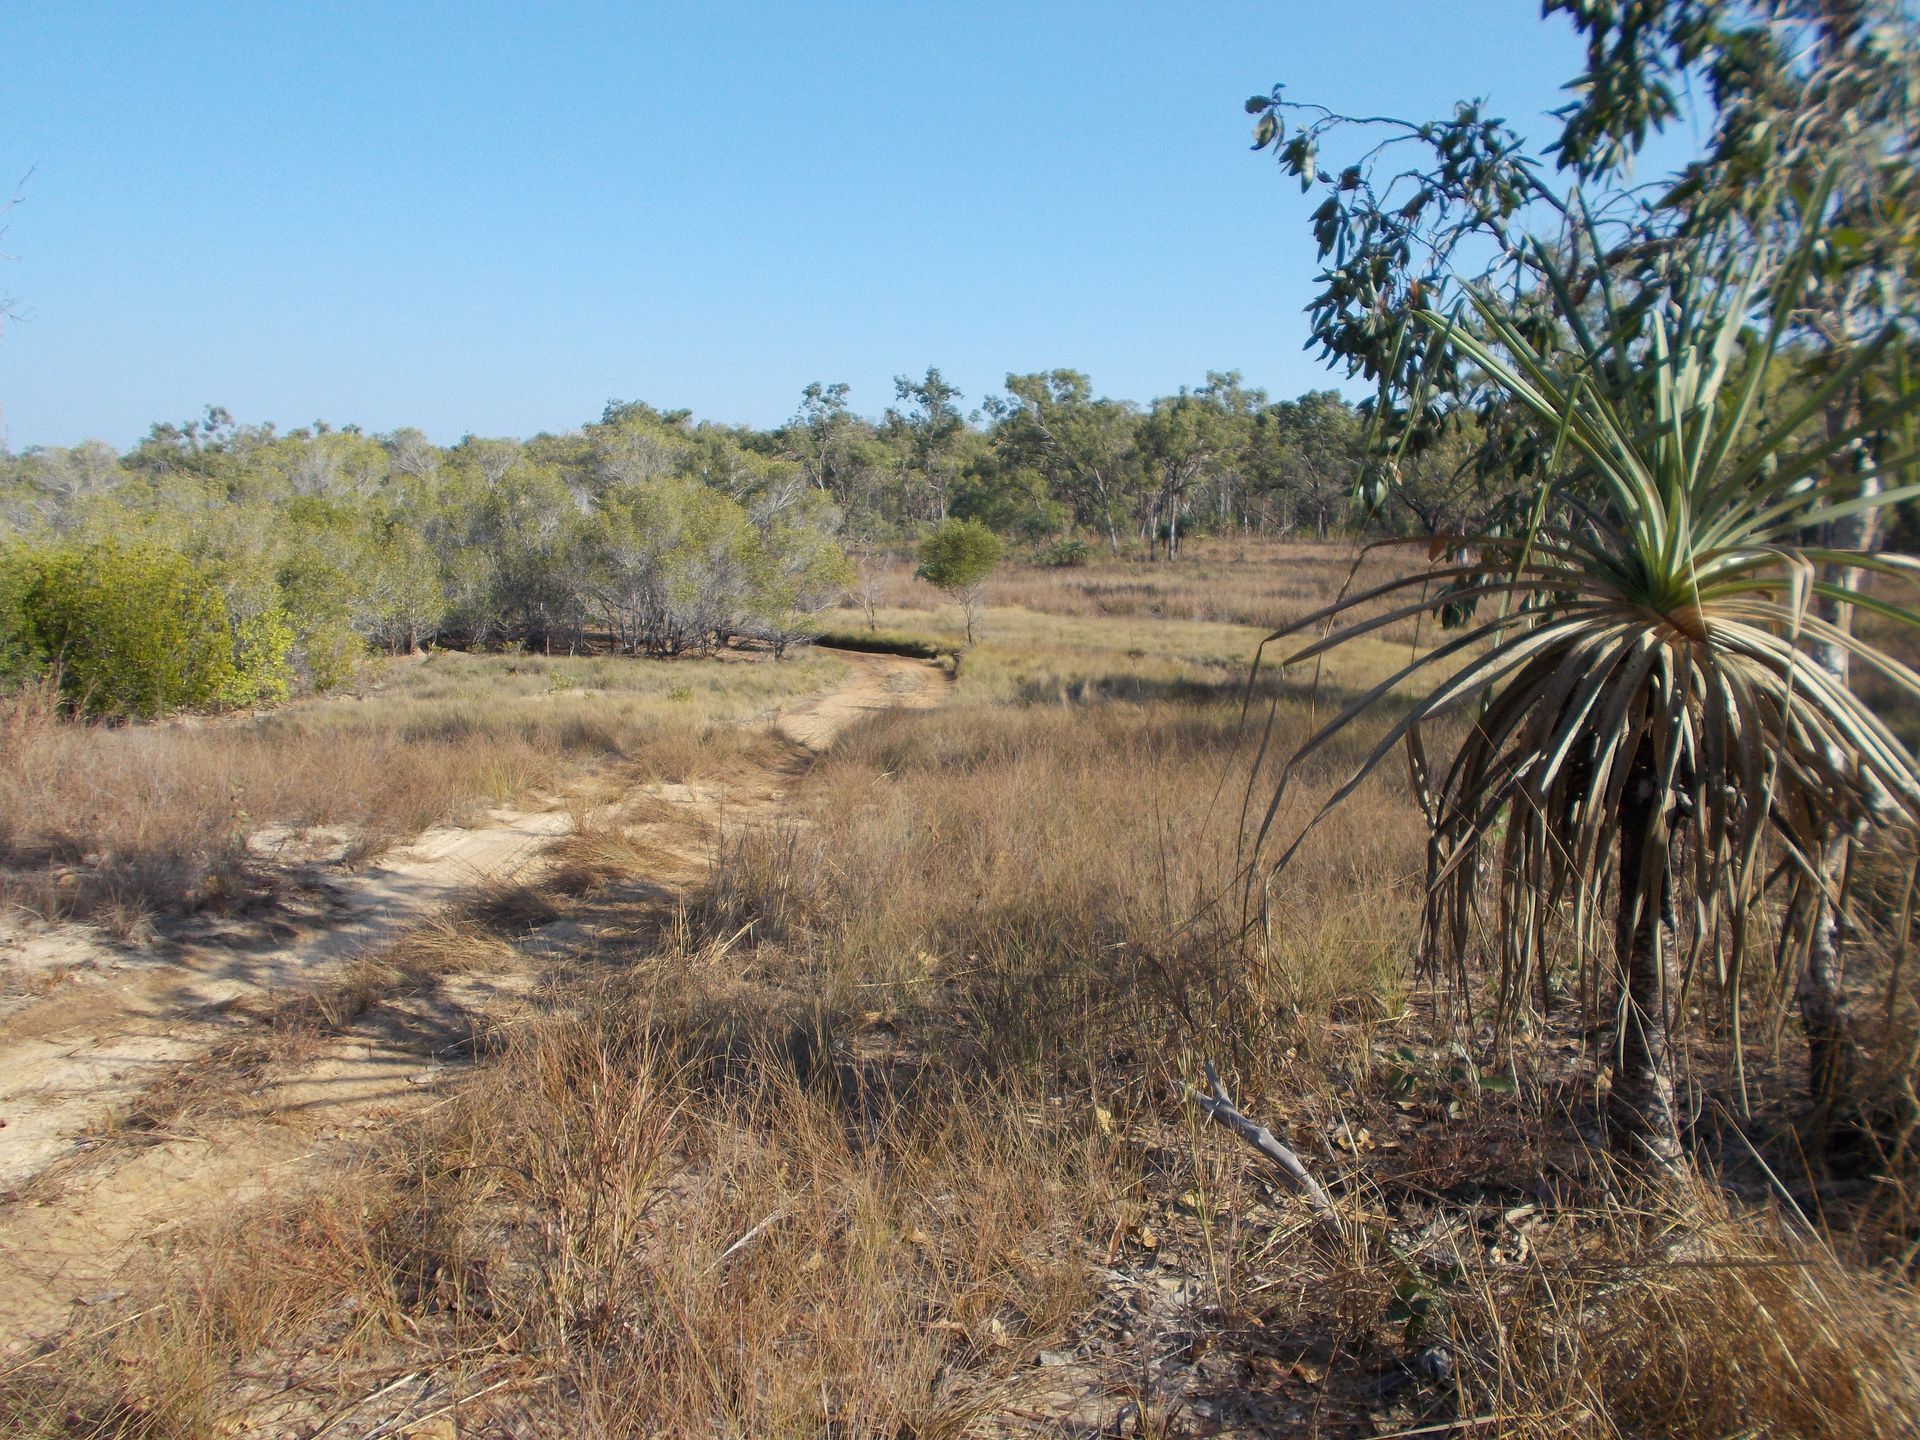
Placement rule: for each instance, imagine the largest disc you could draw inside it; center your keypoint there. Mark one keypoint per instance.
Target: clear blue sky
(494, 217)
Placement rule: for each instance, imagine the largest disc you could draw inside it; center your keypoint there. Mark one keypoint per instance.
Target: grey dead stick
(1220, 1107)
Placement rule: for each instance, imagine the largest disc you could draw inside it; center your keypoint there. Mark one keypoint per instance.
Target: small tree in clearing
(958, 557)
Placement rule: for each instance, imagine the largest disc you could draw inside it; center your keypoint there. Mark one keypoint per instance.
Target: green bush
(329, 651)
(957, 556)
(1065, 555)
(133, 631)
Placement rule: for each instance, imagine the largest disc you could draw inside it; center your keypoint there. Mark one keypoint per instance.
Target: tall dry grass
(890, 1116)
(633, 1243)
(1063, 877)
(115, 822)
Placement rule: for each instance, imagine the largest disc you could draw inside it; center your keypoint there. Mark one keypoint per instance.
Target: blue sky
(493, 218)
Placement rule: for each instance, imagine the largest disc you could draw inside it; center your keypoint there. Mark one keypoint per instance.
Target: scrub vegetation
(881, 1126)
(1305, 919)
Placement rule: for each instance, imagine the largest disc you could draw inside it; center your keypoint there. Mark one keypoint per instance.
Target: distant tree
(634, 444)
(491, 458)
(934, 422)
(321, 556)
(411, 454)
(823, 434)
(1446, 487)
(530, 529)
(957, 557)
(403, 584)
(1222, 491)
(870, 562)
(70, 476)
(1179, 439)
(1307, 456)
(800, 571)
(1010, 500)
(1085, 448)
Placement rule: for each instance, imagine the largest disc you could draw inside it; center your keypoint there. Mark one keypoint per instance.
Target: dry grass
(639, 1248)
(1137, 630)
(882, 1137)
(1247, 582)
(113, 823)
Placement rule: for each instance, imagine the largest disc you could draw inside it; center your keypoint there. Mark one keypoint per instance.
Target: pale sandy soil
(88, 1027)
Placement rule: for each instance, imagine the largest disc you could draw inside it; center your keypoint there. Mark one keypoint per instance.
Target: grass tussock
(633, 1252)
(1689, 1322)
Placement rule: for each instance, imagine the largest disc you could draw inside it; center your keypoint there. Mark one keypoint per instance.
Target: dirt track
(89, 1029)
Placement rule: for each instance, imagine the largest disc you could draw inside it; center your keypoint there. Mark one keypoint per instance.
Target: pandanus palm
(1637, 679)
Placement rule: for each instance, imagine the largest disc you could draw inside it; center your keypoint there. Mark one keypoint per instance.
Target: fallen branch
(1218, 1106)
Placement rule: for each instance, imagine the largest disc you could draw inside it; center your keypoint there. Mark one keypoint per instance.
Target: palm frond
(1659, 617)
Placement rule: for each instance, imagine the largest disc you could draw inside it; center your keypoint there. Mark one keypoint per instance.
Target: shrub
(133, 631)
(1066, 554)
(957, 557)
(329, 651)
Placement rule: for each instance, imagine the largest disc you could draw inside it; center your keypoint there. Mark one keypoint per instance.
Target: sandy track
(878, 682)
(96, 1038)
(87, 1028)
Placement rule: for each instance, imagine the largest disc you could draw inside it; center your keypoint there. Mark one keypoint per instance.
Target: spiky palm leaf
(1655, 619)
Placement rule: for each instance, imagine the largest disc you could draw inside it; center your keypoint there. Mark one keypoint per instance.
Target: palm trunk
(1824, 1013)
(1641, 1104)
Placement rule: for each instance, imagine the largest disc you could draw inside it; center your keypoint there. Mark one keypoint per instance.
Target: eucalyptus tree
(1305, 453)
(490, 458)
(1179, 439)
(822, 436)
(634, 444)
(799, 571)
(933, 419)
(531, 529)
(411, 454)
(1224, 487)
(50, 487)
(1085, 447)
(406, 595)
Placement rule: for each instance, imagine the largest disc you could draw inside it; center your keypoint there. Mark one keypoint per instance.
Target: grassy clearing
(1255, 583)
(882, 1136)
(1134, 630)
(114, 823)
(1028, 657)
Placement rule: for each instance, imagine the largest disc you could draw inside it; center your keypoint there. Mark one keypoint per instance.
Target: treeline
(1049, 461)
(643, 529)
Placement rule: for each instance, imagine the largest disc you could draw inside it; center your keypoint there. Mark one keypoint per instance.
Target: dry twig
(1220, 1107)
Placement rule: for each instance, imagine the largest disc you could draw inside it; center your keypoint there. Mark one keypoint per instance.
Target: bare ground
(141, 1086)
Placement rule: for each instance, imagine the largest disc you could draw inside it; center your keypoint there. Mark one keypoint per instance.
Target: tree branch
(1218, 1106)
